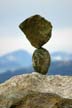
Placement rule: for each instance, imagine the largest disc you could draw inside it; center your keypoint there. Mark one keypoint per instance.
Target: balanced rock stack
(38, 31)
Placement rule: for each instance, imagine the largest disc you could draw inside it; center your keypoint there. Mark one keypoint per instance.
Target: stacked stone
(38, 31)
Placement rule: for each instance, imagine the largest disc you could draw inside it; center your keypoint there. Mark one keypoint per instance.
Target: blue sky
(13, 12)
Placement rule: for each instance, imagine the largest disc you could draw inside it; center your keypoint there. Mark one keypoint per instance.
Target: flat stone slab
(36, 91)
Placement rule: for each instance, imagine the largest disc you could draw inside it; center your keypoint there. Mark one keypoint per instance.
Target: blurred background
(16, 51)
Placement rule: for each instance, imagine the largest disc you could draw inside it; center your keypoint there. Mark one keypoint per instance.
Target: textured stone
(41, 60)
(36, 91)
(37, 29)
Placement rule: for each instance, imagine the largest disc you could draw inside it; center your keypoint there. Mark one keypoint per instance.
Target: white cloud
(9, 44)
(60, 40)
(25, 4)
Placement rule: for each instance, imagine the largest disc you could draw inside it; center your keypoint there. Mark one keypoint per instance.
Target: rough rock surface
(37, 29)
(41, 60)
(36, 91)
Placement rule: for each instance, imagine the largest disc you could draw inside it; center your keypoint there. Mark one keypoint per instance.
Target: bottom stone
(43, 100)
(39, 100)
(36, 91)
(41, 60)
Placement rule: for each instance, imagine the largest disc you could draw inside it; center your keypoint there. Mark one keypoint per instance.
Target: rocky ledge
(36, 91)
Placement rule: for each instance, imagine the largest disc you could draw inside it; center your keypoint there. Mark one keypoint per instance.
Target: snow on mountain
(22, 59)
(11, 58)
(61, 63)
(61, 56)
(20, 62)
(15, 60)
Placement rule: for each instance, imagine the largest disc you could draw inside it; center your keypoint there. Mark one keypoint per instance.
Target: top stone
(37, 29)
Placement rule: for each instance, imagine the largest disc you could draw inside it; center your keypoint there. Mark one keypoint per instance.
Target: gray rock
(36, 91)
(37, 29)
(41, 60)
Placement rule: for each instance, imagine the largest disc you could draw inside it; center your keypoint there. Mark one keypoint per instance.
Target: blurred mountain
(8, 74)
(61, 63)
(15, 60)
(20, 62)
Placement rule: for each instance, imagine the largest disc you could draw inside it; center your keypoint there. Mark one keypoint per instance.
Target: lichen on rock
(36, 91)
(37, 30)
(41, 60)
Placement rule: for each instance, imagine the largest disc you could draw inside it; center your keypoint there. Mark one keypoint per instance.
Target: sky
(13, 12)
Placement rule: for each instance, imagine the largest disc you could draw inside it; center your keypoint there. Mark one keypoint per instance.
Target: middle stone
(37, 29)
(41, 60)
